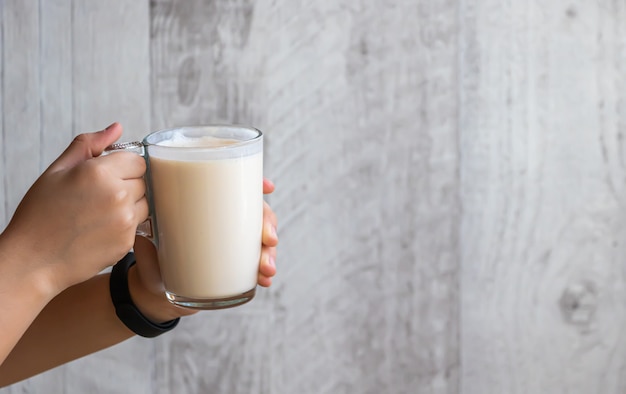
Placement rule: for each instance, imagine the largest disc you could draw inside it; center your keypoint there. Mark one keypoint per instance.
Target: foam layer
(182, 141)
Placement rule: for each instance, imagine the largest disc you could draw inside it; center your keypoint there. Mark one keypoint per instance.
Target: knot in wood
(189, 75)
(578, 303)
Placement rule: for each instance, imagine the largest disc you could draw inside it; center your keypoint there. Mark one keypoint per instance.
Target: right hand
(80, 216)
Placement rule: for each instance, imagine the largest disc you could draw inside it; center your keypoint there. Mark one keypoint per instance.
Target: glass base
(212, 303)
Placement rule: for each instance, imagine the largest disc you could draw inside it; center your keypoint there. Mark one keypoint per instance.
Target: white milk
(209, 216)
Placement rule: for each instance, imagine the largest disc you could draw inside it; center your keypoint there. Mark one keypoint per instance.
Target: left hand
(146, 285)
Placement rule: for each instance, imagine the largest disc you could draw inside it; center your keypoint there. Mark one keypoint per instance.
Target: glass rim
(257, 135)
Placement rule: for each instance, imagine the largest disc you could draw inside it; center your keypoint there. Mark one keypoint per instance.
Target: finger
(142, 210)
(125, 165)
(267, 268)
(269, 238)
(268, 214)
(267, 265)
(264, 281)
(268, 186)
(270, 235)
(136, 188)
(86, 146)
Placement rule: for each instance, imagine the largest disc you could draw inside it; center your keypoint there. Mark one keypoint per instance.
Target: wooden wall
(450, 183)
(543, 196)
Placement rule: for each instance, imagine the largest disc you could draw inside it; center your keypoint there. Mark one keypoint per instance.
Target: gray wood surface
(542, 169)
(21, 116)
(450, 184)
(70, 67)
(366, 296)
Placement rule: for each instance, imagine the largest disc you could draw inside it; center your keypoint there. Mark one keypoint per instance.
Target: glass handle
(146, 228)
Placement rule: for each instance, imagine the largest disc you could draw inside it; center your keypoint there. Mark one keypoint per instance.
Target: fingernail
(274, 233)
(272, 262)
(109, 127)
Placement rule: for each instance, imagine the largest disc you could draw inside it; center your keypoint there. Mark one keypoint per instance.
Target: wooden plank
(358, 105)
(4, 219)
(110, 63)
(197, 79)
(24, 50)
(24, 142)
(56, 79)
(216, 351)
(21, 114)
(543, 197)
(367, 113)
(91, 67)
(111, 66)
(200, 72)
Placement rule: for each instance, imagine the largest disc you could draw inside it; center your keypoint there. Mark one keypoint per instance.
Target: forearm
(24, 292)
(18, 309)
(79, 321)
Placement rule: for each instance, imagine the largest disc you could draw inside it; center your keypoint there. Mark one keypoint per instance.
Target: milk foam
(182, 141)
(183, 148)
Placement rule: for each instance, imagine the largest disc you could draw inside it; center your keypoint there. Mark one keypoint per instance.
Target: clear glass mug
(205, 191)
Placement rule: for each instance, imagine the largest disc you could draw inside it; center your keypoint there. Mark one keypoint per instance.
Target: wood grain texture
(57, 78)
(3, 200)
(111, 66)
(111, 83)
(358, 107)
(203, 70)
(450, 183)
(72, 67)
(543, 197)
(369, 280)
(21, 106)
(31, 39)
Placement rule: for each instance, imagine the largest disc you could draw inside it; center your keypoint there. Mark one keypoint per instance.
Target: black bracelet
(126, 310)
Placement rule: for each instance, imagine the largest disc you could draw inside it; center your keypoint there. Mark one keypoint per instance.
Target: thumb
(86, 146)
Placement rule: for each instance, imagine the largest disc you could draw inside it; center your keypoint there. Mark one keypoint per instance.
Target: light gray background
(450, 180)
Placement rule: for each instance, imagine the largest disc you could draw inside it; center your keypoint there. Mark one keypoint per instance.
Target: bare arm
(79, 321)
(82, 320)
(77, 218)
(23, 294)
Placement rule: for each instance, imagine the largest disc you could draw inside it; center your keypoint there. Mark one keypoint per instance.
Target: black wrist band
(126, 310)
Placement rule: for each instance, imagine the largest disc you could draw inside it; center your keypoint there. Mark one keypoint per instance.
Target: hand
(81, 214)
(267, 266)
(146, 286)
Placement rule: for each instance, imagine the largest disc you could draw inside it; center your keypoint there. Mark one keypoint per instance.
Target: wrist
(125, 307)
(27, 271)
(153, 306)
